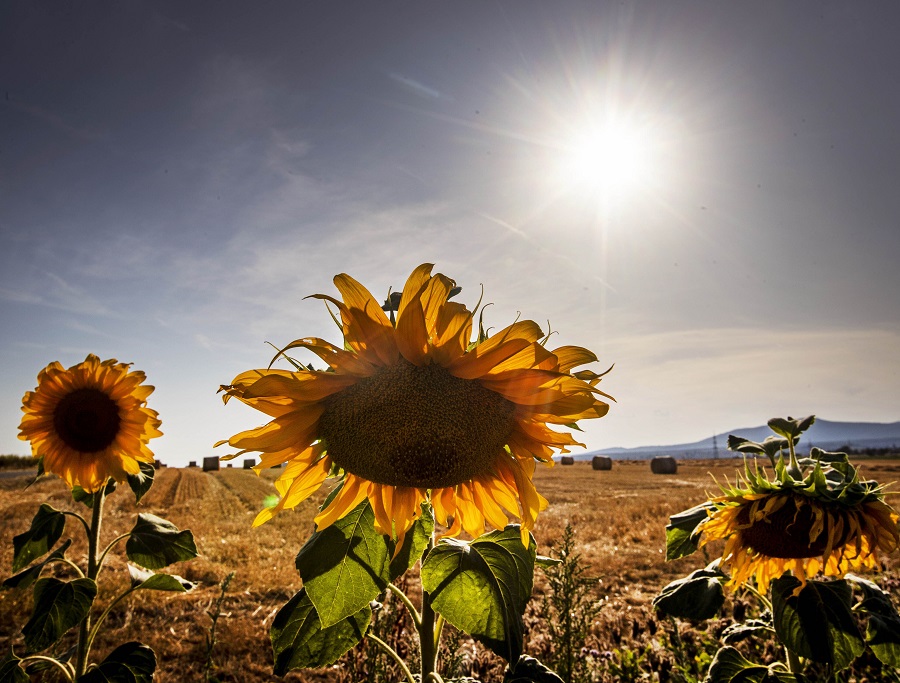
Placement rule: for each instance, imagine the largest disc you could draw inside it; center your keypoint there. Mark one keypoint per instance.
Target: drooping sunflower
(410, 410)
(90, 422)
(827, 521)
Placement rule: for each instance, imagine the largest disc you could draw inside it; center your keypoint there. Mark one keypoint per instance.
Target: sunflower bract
(90, 422)
(413, 410)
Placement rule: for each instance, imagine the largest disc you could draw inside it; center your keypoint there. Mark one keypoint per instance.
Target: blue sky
(176, 177)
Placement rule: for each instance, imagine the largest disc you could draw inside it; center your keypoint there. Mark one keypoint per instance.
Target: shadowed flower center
(785, 532)
(416, 426)
(86, 420)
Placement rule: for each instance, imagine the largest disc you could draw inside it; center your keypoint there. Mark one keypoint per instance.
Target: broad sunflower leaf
(414, 544)
(142, 579)
(697, 596)
(129, 663)
(345, 566)
(58, 606)
(482, 586)
(141, 482)
(300, 641)
(46, 529)
(730, 666)
(681, 531)
(155, 543)
(818, 623)
(10, 672)
(748, 629)
(28, 576)
(79, 495)
(530, 670)
(791, 428)
(883, 628)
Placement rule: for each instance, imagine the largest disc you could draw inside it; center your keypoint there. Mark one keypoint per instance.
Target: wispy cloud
(415, 86)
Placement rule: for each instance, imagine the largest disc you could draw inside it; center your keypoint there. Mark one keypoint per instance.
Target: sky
(703, 193)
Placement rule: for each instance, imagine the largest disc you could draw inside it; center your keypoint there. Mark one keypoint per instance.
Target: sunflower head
(814, 515)
(411, 408)
(90, 422)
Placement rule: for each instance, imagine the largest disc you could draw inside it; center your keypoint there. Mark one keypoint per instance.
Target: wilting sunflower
(410, 409)
(90, 422)
(827, 522)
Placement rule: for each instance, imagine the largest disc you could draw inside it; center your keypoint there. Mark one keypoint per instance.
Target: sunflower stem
(87, 527)
(62, 666)
(429, 636)
(404, 598)
(108, 548)
(102, 617)
(84, 632)
(393, 653)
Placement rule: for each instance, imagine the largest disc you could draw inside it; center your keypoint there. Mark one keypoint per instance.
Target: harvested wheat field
(618, 517)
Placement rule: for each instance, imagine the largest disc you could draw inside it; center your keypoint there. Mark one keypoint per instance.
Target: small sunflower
(815, 516)
(410, 410)
(90, 422)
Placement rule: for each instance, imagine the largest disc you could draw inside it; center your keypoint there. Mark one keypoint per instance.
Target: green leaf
(155, 543)
(817, 623)
(299, 641)
(58, 606)
(530, 670)
(681, 531)
(414, 544)
(141, 482)
(46, 529)
(729, 666)
(545, 562)
(129, 663)
(481, 587)
(10, 672)
(883, 628)
(697, 596)
(28, 576)
(791, 428)
(79, 495)
(735, 633)
(345, 566)
(141, 579)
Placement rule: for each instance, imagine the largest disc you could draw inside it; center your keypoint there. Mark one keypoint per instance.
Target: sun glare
(609, 157)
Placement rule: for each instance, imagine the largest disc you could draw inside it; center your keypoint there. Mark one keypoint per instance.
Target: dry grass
(619, 517)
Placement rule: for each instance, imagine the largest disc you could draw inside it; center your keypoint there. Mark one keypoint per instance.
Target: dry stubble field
(619, 518)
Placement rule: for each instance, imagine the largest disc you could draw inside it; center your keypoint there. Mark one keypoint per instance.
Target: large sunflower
(90, 422)
(409, 410)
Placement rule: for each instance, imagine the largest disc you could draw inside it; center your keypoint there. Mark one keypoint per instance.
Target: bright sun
(612, 157)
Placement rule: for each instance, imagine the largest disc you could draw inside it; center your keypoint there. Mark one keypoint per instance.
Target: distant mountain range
(825, 434)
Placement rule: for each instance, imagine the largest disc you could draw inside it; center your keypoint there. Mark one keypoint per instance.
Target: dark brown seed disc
(86, 420)
(416, 426)
(781, 535)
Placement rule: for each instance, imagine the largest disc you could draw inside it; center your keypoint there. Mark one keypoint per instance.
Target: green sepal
(817, 623)
(300, 641)
(155, 543)
(11, 672)
(482, 586)
(730, 666)
(79, 495)
(697, 596)
(40, 473)
(28, 576)
(141, 482)
(345, 565)
(883, 628)
(142, 579)
(58, 606)
(46, 529)
(681, 531)
(530, 670)
(129, 663)
(414, 543)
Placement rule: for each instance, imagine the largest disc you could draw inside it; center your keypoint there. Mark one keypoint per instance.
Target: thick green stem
(429, 638)
(411, 608)
(93, 567)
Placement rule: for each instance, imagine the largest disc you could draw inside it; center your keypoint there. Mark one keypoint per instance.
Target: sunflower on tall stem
(422, 428)
(782, 529)
(89, 425)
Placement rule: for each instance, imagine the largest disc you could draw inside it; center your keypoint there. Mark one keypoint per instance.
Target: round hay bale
(601, 462)
(663, 464)
(567, 460)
